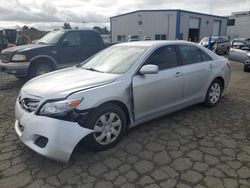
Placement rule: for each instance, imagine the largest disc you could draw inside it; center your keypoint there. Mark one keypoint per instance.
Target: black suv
(57, 49)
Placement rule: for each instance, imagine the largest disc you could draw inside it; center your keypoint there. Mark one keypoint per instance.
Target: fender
(46, 56)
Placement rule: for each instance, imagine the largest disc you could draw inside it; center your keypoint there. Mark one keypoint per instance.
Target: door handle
(211, 66)
(178, 74)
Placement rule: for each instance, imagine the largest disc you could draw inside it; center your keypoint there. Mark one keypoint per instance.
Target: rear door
(91, 44)
(197, 72)
(155, 93)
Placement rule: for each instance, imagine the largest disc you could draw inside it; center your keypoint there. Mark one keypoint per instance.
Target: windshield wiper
(93, 69)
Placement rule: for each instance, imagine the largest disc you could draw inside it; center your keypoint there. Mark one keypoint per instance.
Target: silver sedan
(118, 88)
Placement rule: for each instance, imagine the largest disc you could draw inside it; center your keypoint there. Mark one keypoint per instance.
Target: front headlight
(59, 107)
(19, 57)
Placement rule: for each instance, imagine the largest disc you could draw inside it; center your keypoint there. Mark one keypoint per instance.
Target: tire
(213, 93)
(38, 69)
(104, 137)
(227, 51)
(246, 68)
(21, 78)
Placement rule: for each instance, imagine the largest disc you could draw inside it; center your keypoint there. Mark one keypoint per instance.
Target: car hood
(60, 84)
(23, 48)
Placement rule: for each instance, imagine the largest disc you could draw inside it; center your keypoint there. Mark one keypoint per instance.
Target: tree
(66, 26)
(103, 30)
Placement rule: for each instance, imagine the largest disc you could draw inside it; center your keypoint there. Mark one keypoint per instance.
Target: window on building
(160, 37)
(121, 38)
(190, 54)
(230, 22)
(157, 37)
(164, 57)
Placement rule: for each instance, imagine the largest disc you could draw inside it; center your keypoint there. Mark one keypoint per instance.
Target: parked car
(219, 44)
(57, 49)
(118, 88)
(132, 38)
(147, 38)
(240, 52)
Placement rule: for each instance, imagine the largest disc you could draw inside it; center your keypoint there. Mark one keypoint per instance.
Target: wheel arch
(43, 59)
(221, 79)
(122, 106)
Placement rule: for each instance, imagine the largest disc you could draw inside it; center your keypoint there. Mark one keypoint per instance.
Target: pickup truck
(56, 50)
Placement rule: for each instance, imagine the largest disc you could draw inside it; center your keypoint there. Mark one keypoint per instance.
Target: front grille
(5, 57)
(29, 104)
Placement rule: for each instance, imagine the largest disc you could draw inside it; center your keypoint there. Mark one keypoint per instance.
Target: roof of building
(161, 10)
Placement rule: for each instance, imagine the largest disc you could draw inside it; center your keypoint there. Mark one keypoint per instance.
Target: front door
(156, 93)
(70, 50)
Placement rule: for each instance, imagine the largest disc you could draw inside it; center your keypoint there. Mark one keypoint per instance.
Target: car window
(90, 39)
(224, 39)
(164, 57)
(238, 44)
(73, 39)
(205, 56)
(190, 54)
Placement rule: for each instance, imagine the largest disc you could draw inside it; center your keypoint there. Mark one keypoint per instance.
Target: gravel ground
(195, 147)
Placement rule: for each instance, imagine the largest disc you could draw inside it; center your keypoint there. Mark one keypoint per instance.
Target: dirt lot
(196, 147)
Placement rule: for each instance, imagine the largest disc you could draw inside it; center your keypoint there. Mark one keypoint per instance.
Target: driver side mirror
(149, 69)
(65, 43)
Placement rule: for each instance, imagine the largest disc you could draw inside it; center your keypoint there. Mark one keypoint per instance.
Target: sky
(51, 14)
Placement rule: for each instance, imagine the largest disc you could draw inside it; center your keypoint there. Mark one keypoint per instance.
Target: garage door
(216, 27)
(194, 23)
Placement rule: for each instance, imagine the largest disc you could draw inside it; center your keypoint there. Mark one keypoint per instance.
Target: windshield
(205, 40)
(51, 38)
(115, 59)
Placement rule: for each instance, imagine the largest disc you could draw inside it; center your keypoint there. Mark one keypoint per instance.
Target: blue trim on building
(110, 30)
(178, 20)
(159, 10)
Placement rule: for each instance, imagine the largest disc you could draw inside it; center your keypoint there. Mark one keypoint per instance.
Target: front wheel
(108, 122)
(246, 68)
(38, 69)
(213, 93)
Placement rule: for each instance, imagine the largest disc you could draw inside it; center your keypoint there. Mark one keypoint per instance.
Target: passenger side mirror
(65, 43)
(149, 69)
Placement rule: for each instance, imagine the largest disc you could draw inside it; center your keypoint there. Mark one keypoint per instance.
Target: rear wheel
(108, 122)
(227, 51)
(213, 93)
(38, 69)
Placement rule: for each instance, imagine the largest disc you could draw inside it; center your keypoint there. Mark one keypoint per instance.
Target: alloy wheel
(107, 128)
(214, 93)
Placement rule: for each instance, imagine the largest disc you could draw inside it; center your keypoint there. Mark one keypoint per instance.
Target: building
(166, 25)
(239, 25)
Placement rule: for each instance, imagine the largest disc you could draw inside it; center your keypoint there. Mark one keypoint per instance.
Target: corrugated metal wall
(241, 27)
(149, 23)
(144, 23)
(206, 24)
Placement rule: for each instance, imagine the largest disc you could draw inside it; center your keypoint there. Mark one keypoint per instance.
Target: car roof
(155, 43)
